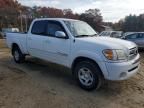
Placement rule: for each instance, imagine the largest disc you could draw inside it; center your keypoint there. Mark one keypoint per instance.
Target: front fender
(98, 58)
(88, 54)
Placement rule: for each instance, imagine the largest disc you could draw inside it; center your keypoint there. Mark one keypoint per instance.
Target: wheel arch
(82, 58)
(13, 46)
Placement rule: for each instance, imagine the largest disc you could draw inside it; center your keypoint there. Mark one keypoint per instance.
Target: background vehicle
(74, 44)
(115, 34)
(127, 33)
(1, 35)
(137, 37)
(8, 30)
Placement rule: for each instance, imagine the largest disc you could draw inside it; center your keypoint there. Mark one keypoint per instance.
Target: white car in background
(8, 30)
(115, 34)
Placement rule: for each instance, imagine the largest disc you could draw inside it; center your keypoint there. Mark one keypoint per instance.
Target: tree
(92, 17)
(8, 11)
(68, 13)
(130, 23)
(49, 12)
(12, 13)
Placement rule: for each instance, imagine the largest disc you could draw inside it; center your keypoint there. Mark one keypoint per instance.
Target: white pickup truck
(74, 44)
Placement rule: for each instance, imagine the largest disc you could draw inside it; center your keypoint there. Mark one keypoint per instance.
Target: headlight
(121, 55)
(115, 54)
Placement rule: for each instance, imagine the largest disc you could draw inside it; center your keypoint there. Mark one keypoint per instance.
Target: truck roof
(58, 19)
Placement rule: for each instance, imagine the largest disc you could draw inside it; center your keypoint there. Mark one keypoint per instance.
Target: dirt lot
(38, 84)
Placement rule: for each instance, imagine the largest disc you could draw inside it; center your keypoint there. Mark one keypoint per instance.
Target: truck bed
(19, 38)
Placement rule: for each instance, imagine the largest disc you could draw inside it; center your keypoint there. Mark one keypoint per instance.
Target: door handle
(47, 41)
(29, 38)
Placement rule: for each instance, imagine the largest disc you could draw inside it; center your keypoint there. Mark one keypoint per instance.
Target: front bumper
(124, 70)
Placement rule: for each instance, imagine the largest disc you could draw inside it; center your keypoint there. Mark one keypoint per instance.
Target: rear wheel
(17, 55)
(88, 75)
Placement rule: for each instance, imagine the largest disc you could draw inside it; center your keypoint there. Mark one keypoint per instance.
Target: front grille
(133, 53)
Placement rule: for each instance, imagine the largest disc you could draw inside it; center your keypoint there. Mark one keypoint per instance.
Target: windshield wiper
(82, 36)
(86, 35)
(93, 35)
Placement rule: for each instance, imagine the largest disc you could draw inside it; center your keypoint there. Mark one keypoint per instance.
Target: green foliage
(9, 10)
(92, 17)
(131, 23)
(11, 14)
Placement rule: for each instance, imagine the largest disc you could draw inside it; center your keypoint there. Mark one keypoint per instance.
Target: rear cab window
(39, 27)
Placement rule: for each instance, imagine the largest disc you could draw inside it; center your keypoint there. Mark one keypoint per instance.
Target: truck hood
(109, 42)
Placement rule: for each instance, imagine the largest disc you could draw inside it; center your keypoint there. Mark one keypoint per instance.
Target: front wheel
(17, 55)
(88, 75)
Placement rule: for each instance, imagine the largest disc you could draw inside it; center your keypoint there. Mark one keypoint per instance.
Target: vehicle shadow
(63, 77)
(51, 70)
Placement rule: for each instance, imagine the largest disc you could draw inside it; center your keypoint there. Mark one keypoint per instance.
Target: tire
(88, 75)
(17, 55)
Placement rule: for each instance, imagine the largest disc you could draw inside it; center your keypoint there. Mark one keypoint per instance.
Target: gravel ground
(38, 84)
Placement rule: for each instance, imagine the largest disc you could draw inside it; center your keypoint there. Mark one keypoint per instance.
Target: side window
(103, 33)
(140, 35)
(132, 36)
(108, 33)
(113, 34)
(52, 27)
(39, 27)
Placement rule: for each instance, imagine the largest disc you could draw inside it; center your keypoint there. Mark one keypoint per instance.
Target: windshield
(80, 28)
(105, 34)
(116, 34)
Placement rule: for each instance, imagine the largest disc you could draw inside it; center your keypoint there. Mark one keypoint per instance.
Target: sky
(111, 10)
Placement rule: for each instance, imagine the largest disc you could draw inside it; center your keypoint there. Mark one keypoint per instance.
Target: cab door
(36, 39)
(56, 49)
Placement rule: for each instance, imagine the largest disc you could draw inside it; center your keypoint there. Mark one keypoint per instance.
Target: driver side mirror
(60, 34)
